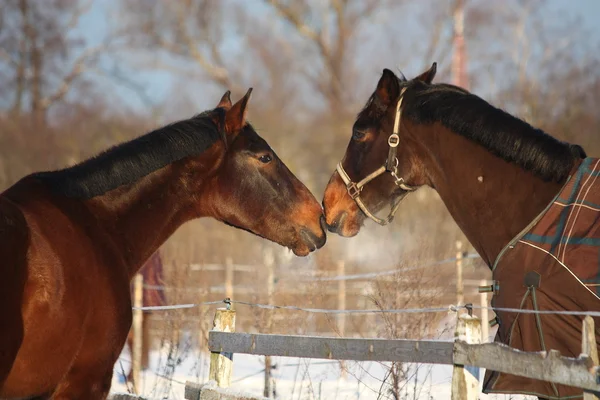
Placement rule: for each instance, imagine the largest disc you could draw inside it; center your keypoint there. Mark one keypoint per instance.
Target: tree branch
(6, 57)
(79, 67)
(217, 73)
(77, 13)
(295, 20)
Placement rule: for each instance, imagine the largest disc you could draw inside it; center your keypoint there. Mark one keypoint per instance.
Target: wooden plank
(551, 366)
(220, 267)
(210, 391)
(125, 396)
(589, 347)
(423, 351)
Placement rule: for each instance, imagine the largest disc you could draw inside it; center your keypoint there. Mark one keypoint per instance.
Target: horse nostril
(323, 223)
(337, 223)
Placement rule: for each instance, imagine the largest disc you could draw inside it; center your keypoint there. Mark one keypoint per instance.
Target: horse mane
(501, 133)
(128, 162)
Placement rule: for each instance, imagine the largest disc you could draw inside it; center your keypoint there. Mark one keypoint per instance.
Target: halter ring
(353, 190)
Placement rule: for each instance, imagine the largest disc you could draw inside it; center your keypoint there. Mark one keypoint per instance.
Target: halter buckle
(393, 140)
(398, 180)
(353, 190)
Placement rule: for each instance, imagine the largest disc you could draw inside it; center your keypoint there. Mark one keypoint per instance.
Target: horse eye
(265, 158)
(357, 134)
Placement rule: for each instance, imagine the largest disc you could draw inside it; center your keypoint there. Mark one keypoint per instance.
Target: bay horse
(71, 240)
(496, 175)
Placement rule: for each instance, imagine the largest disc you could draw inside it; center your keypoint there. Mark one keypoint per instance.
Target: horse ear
(428, 75)
(235, 117)
(388, 88)
(225, 101)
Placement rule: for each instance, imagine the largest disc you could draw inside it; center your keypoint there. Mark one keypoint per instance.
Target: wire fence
(349, 277)
(440, 309)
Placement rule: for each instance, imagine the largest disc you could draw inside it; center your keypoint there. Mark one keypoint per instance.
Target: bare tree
(180, 34)
(40, 56)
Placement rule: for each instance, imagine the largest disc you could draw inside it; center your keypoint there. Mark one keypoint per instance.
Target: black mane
(130, 161)
(504, 135)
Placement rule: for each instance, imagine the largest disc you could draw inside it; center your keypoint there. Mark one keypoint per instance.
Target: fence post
(269, 261)
(221, 363)
(138, 315)
(341, 271)
(229, 278)
(589, 347)
(465, 379)
(341, 300)
(485, 327)
(459, 274)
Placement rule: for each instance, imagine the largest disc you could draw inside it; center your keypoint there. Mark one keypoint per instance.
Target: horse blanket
(553, 264)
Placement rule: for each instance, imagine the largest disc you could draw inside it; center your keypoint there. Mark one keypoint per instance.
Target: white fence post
(138, 315)
(229, 278)
(465, 379)
(341, 298)
(459, 274)
(221, 363)
(589, 347)
(341, 303)
(485, 326)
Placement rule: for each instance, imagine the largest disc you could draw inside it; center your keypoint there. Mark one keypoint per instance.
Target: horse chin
(302, 248)
(301, 251)
(350, 226)
(348, 233)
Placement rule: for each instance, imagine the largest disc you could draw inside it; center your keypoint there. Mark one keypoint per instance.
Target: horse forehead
(364, 122)
(251, 140)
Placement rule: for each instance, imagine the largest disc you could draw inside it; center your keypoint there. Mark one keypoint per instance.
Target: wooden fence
(344, 286)
(464, 352)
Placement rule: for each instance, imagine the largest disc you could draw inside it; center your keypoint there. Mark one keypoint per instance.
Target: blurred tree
(41, 56)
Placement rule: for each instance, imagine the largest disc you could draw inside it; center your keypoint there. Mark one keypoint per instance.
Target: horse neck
(490, 199)
(141, 216)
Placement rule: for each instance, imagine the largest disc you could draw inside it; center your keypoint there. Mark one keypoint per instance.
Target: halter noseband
(391, 166)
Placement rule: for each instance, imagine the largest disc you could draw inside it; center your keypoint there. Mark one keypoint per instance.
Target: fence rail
(546, 366)
(333, 348)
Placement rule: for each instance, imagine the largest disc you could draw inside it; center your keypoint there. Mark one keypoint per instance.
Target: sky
(159, 85)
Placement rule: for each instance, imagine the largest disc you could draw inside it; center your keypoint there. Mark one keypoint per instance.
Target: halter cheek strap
(391, 166)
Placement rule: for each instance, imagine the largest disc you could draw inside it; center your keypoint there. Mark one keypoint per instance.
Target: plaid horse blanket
(554, 264)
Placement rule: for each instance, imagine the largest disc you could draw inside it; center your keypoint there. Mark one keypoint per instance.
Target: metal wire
(450, 308)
